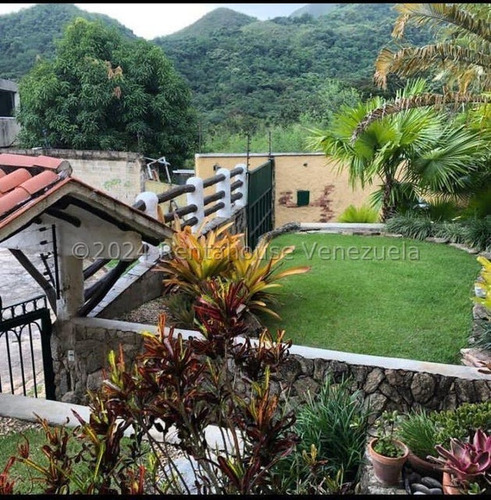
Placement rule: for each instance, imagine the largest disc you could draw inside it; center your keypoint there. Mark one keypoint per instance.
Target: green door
(260, 202)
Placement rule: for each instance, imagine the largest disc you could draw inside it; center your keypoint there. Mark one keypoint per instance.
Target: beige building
(308, 187)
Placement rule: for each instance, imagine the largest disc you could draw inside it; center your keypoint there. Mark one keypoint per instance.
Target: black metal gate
(260, 202)
(26, 364)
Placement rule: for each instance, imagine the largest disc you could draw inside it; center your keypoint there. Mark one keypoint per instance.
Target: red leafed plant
(7, 484)
(468, 462)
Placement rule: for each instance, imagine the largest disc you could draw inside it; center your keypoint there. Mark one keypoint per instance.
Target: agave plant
(467, 461)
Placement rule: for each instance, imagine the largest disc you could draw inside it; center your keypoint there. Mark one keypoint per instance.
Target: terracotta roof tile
(40, 181)
(10, 200)
(12, 180)
(25, 177)
(12, 160)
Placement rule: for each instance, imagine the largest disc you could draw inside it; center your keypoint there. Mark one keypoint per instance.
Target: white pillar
(224, 186)
(151, 201)
(242, 202)
(196, 198)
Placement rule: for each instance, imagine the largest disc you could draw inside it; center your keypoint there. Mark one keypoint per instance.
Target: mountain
(243, 71)
(218, 19)
(31, 32)
(265, 11)
(273, 71)
(315, 9)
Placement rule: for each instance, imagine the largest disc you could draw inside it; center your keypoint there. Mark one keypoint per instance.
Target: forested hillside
(244, 71)
(31, 32)
(245, 74)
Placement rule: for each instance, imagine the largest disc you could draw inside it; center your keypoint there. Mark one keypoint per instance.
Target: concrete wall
(385, 383)
(117, 173)
(330, 192)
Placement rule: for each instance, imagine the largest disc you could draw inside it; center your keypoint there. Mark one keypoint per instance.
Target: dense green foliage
(103, 91)
(473, 231)
(412, 153)
(333, 429)
(373, 295)
(274, 71)
(30, 33)
(283, 75)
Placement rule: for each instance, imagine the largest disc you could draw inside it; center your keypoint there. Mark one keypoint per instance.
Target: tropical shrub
(469, 462)
(333, 428)
(462, 422)
(198, 259)
(361, 214)
(186, 385)
(179, 307)
(411, 226)
(478, 233)
(473, 232)
(454, 232)
(484, 283)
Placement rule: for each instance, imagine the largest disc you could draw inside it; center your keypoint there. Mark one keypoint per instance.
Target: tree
(103, 91)
(413, 152)
(461, 57)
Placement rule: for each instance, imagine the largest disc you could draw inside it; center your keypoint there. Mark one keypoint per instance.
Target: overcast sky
(150, 20)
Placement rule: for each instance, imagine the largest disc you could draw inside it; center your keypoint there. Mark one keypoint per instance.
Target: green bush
(484, 340)
(478, 233)
(411, 225)
(439, 211)
(452, 231)
(180, 309)
(462, 422)
(419, 433)
(335, 423)
(362, 214)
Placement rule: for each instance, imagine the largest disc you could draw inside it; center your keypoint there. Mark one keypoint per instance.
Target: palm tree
(462, 57)
(413, 152)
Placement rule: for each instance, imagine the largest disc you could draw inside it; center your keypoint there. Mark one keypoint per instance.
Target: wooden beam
(100, 289)
(94, 267)
(37, 276)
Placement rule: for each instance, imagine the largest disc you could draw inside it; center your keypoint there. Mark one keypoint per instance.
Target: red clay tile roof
(25, 177)
(32, 183)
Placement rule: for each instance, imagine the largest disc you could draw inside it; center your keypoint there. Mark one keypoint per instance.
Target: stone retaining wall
(386, 383)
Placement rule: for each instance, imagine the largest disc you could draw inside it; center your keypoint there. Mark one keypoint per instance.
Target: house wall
(330, 191)
(117, 173)
(9, 127)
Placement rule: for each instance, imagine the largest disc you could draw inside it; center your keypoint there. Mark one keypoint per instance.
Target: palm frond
(413, 60)
(461, 16)
(437, 101)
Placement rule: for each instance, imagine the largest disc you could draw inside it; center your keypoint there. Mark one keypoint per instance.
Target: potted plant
(467, 465)
(419, 432)
(386, 452)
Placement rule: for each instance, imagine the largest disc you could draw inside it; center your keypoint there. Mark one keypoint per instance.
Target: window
(7, 103)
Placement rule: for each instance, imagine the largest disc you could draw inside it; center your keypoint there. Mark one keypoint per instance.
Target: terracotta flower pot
(387, 469)
(424, 466)
(448, 487)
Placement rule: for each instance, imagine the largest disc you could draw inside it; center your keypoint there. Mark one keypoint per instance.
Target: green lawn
(405, 298)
